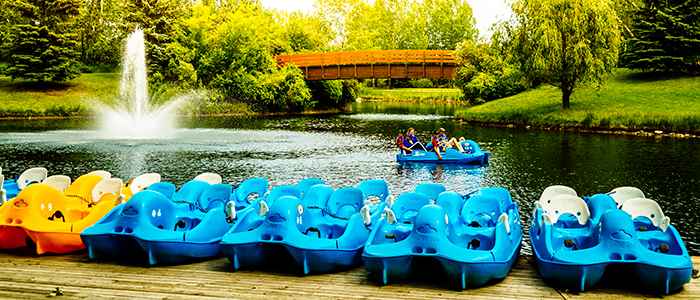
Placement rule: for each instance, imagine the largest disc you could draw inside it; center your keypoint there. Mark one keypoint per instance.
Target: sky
(486, 12)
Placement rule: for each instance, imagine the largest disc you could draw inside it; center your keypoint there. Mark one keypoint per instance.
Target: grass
(630, 100)
(78, 97)
(411, 94)
(28, 98)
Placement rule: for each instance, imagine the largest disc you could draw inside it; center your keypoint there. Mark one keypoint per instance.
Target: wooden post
(406, 60)
(423, 63)
(442, 74)
(323, 62)
(371, 62)
(339, 64)
(389, 68)
(307, 66)
(355, 64)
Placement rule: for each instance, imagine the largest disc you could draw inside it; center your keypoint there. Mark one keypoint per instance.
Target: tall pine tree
(42, 45)
(666, 37)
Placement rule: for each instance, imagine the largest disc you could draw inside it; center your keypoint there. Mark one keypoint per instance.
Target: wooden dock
(24, 275)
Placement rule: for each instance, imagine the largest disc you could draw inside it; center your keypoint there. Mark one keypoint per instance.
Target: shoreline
(615, 130)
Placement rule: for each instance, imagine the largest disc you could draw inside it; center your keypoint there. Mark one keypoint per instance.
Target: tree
(98, 30)
(566, 43)
(666, 37)
(484, 74)
(161, 24)
(447, 23)
(41, 45)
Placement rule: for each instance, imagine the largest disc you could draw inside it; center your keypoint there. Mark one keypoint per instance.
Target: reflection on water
(344, 150)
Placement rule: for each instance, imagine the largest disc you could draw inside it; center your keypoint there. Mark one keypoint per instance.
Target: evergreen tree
(41, 45)
(666, 37)
(161, 24)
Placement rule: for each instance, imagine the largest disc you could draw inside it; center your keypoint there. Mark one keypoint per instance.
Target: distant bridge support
(432, 64)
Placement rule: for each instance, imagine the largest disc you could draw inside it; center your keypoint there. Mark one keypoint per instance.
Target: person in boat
(401, 142)
(437, 144)
(450, 142)
(412, 140)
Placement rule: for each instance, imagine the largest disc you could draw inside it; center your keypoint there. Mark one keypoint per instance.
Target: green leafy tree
(99, 34)
(304, 32)
(234, 46)
(666, 37)
(484, 74)
(447, 23)
(567, 43)
(41, 44)
(161, 23)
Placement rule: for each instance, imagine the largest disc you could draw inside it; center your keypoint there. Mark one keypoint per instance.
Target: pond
(346, 149)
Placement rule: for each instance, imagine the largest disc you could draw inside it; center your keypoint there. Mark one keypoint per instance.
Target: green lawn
(630, 100)
(78, 97)
(411, 94)
(26, 98)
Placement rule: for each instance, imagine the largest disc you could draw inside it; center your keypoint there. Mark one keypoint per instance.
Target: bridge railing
(368, 57)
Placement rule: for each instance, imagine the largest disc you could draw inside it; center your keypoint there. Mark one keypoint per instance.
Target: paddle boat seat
(575, 241)
(432, 190)
(59, 182)
(622, 194)
(163, 187)
(470, 255)
(320, 234)
(188, 225)
(12, 187)
(406, 207)
(210, 178)
(244, 192)
(550, 192)
(101, 173)
(51, 219)
(139, 183)
(650, 210)
(305, 184)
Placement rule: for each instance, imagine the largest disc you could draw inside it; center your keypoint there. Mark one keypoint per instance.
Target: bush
(483, 75)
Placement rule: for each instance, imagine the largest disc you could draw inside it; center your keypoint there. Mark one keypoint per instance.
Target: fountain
(131, 115)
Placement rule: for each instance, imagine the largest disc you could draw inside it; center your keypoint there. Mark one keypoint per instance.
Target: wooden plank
(26, 276)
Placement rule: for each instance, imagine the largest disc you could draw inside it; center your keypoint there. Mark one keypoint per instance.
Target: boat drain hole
(630, 257)
(265, 237)
(430, 250)
(128, 230)
(615, 256)
(416, 249)
(118, 229)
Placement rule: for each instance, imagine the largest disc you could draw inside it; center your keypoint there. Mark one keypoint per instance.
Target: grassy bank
(79, 96)
(411, 94)
(631, 100)
(29, 98)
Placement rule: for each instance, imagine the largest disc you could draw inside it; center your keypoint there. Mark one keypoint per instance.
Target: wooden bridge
(434, 64)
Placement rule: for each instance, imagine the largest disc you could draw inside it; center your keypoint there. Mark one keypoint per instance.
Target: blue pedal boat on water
(473, 155)
(169, 226)
(323, 230)
(575, 240)
(475, 237)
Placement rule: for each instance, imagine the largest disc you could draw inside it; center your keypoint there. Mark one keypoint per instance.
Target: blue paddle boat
(475, 237)
(574, 240)
(473, 155)
(169, 226)
(322, 231)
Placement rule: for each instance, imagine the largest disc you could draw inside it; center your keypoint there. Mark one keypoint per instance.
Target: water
(344, 150)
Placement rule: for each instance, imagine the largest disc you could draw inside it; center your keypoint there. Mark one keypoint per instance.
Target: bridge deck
(23, 275)
(435, 64)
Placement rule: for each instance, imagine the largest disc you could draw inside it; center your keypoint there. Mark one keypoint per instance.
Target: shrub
(483, 75)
